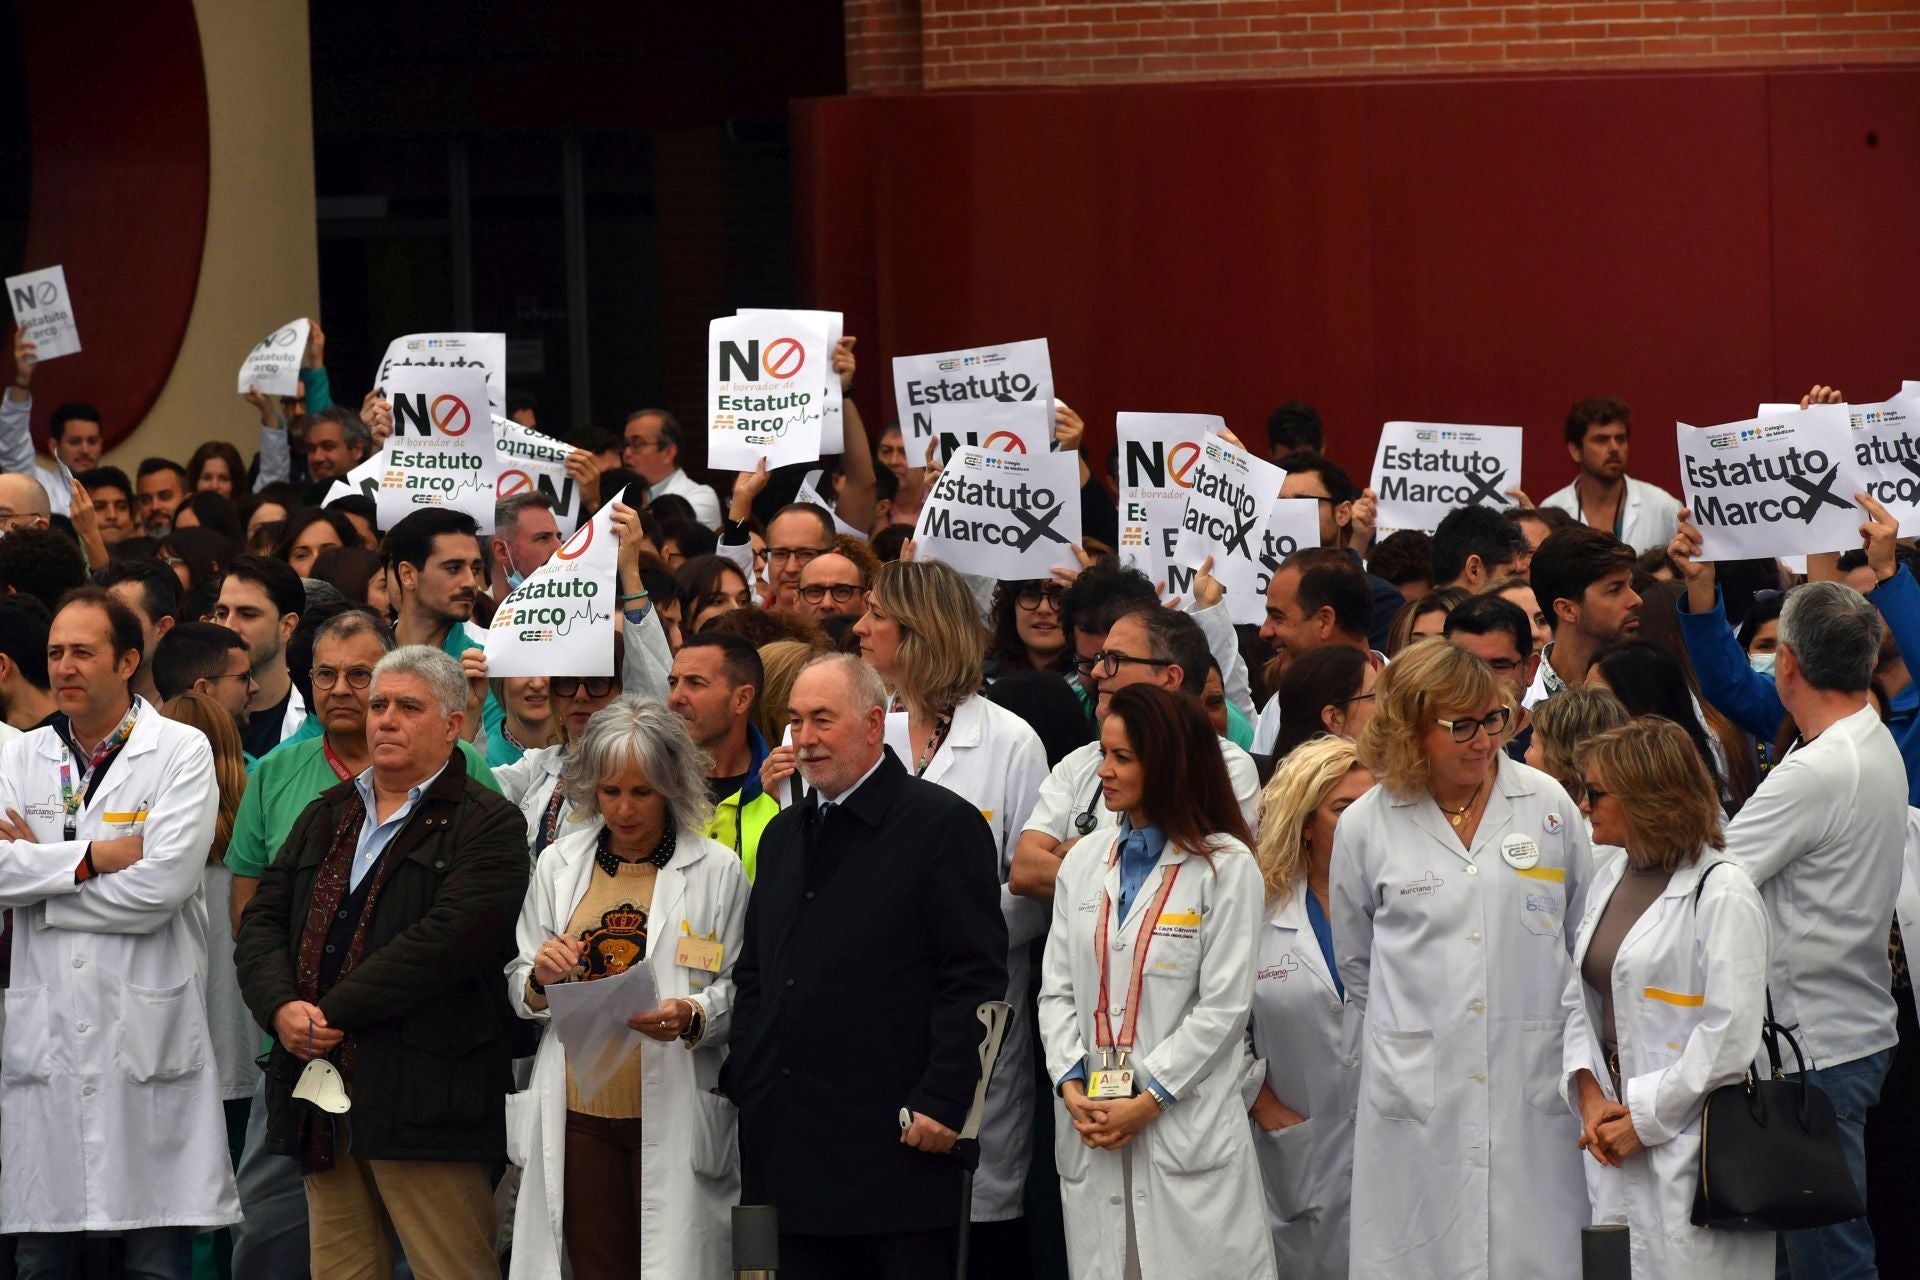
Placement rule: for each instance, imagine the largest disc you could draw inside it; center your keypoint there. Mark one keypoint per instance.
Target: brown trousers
(441, 1210)
(602, 1215)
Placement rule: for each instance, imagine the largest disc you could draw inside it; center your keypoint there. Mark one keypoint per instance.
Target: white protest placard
(533, 461)
(809, 491)
(274, 363)
(441, 453)
(998, 426)
(43, 309)
(925, 388)
(1886, 448)
(1002, 515)
(486, 352)
(1226, 517)
(765, 398)
(1158, 452)
(1292, 525)
(559, 622)
(1779, 484)
(832, 431)
(1422, 470)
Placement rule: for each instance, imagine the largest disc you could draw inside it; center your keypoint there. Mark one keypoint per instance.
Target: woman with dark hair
(196, 555)
(358, 573)
(1648, 681)
(1328, 690)
(216, 467)
(269, 505)
(1028, 631)
(710, 585)
(1424, 618)
(308, 532)
(1144, 1000)
(1740, 757)
(208, 510)
(1759, 632)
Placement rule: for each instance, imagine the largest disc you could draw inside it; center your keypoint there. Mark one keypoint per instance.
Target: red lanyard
(1103, 1038)
(333, 761)
(550, 821)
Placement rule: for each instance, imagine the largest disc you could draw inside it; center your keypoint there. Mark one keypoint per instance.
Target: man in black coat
(873, 935)
(376, 941)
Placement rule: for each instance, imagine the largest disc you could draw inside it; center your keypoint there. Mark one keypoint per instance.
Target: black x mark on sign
(1818, 493)
(1038, 528)
(1488, 488)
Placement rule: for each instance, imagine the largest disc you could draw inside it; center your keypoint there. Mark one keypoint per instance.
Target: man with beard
(160, 487)
(435, 572)
(1603, 496)
(713, 686)
(261, 598)
(1583, 578)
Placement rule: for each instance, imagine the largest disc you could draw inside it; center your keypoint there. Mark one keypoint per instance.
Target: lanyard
(1103, 1037)
(333, 761)
(71, 798)
(941, 725)
(550, 821)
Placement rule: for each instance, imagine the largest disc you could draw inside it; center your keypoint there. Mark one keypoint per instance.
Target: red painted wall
(1467, 250)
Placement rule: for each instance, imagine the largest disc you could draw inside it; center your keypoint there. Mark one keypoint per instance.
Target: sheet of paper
(591, 1020)
(1886, 447)
(1422, 470)
(809, 491)
(1158, 452)
(560, 621)
(274, 363)
(925, 387)
(532, 460)
(441, 453)
(1226, 517)
(765, 397)
(998, 426)
(1775, 485)
(1293, 525)
(1003, 515)
(832, 434)
(43, 309)
(486, 352)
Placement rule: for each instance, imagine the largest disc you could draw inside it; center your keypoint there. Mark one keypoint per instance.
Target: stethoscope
(1084, 822)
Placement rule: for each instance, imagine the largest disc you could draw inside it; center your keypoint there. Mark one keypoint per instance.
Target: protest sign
(1226, 517)
(1779, 484)
(1422, 470)
(559, 622)
(1002, 515)
(533, 461)
(1886, 448)
(486, 352)
(832, 434)
(441, 453)
(43, 309)
(998, 426)
(926, 388)
(764, 394)
(1157, 456)
(1292, 525)
(809, 491)
(273, 365)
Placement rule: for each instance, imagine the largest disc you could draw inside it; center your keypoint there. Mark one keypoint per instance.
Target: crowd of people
(1405, 934)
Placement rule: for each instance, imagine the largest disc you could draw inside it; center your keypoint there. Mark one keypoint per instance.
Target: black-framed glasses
(1029, 597)
(800, 555)
(1595, 795)
(568, 686)
(637, 444)
(1495, 723)
(356, 677)
(1504, 666)
(1108, 663)
(1358, 697)
(818, 591)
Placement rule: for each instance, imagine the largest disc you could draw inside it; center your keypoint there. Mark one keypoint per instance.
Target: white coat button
(1113, 1199)
(79, 962)
(1480, 1077)
(1478, 1006)
(1472, 870)
(87, 1092)
(83, 1027)
(1352, 1059)
(1473, 937)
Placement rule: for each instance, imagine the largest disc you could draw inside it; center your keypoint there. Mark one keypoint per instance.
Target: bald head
(22, 499)
(830, 584)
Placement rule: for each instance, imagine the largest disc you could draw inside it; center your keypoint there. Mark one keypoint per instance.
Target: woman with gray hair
(635, 884)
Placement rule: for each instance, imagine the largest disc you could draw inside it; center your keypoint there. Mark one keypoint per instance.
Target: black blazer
(856, 996)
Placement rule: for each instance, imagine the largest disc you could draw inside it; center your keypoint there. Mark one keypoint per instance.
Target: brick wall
(906, 45)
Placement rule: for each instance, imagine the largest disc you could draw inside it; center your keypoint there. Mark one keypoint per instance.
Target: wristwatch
(695, 1024)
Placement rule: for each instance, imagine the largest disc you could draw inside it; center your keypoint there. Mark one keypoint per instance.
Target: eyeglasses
(568, 686)
(1358, 697)
(840, 591)
(1108, 663)
(1494, 723)
(802, 555)
(637, 444)
(1504, 666)
(1029, 598)
(356, 677)
(1595, 795)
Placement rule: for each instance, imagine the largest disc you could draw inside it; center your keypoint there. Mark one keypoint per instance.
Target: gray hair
(506, 512)
(671, 432)
(441, 674)
(349, 623)
(1834, 634)
(863, 682)
(640, 731)
(353, 428)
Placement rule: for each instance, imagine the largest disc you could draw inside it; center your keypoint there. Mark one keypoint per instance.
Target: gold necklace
(1458, 816)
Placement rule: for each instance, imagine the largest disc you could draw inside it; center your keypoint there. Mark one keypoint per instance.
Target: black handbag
(1770, 1151)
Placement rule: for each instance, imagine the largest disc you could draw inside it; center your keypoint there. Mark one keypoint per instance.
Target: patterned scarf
(315, 1135)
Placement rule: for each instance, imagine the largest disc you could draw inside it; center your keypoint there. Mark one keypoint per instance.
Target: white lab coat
(994, 761)
(1197, 1207)
(529, 782)
(1689, 992)
(1465, 1159)
(108, 1086)
(1651, 517)
(1301, 1054)
(689, 1160)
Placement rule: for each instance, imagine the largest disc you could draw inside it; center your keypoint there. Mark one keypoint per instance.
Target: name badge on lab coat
(1521, 852)
(699, 953)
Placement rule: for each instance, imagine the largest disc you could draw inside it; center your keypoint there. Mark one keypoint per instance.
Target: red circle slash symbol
(783, 358)
(1005, 442)
(450, 415)
(512, 482)
(1180, 460)
(578, 543)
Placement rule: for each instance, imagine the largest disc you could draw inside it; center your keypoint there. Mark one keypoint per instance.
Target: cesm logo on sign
(780, 360)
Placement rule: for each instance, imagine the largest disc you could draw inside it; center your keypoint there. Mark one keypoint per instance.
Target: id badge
(699, 953)
(1110, 1084)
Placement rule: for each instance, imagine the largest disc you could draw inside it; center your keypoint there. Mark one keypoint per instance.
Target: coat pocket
(1400, 1074)
(716, 1136)
(1541, 1044)
(1071, 1155)
(523, 1113)
(26, 1042)
(1286, 1167)
(162, 1034)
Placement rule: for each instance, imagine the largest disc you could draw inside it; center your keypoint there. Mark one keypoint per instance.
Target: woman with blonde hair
(1451, 881)
(1302, 1127)
(1666, 999)
(1562, 723)
(781, 660)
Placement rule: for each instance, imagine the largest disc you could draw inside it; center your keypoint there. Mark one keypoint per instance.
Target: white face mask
(1762, 662)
